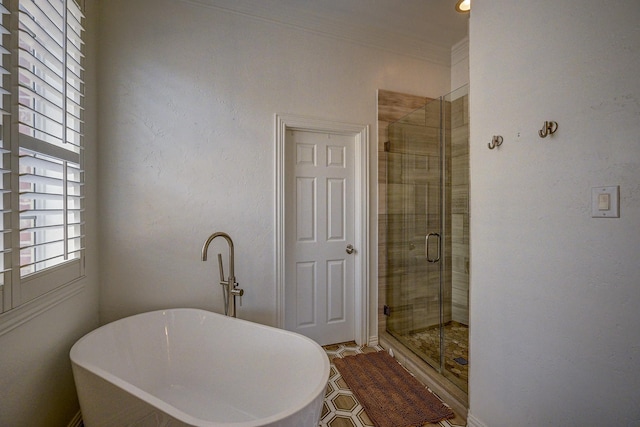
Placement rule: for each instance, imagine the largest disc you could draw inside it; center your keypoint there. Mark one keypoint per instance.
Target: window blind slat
(29, 143)
(74, 123)
(29, 217)
(75, 65)
(74, 109)
(75, 94)
(35, 50)
(44, 180)
(45, 14)
(74, 52)
(41, 67)
(50, 115)
(28, 196)
(29, 99)
(45, 129)
(76, 10)
(34, 35)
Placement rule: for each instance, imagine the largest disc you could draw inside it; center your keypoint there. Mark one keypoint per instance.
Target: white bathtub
(188, 367)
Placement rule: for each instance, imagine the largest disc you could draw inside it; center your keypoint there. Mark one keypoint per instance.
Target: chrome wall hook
(495, 142)
(549, 128)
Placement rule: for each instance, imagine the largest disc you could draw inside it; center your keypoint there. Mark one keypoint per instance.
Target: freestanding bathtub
(188, 367)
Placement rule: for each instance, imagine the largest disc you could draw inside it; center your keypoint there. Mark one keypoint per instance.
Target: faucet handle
(220, 267)
(237, 292)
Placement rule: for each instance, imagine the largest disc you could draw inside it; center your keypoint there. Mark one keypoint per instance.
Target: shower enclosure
(427, 234)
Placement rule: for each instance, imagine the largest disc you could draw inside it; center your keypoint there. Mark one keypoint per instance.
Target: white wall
(460, 64)
(187, 104)
(554, 293)
(36, 383)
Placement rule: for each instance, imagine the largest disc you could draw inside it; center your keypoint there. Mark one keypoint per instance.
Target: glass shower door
(414, 187)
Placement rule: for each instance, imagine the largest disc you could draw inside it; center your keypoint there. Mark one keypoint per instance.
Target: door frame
(360, 134)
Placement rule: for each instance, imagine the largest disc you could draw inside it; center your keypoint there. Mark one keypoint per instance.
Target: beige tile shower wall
(460, 209)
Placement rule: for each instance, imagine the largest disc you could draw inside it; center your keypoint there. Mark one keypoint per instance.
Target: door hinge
(387, 310)
(387, 146)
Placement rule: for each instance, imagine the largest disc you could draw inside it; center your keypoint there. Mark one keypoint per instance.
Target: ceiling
(425, 29)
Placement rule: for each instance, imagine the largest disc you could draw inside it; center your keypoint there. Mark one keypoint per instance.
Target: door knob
(350, 249)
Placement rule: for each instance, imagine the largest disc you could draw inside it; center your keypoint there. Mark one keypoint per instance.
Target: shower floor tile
(341, 408)
(456, 350)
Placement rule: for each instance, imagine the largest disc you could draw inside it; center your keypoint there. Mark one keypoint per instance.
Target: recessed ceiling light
(463, 6)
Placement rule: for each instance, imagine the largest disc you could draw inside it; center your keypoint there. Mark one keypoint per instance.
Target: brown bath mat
(390, 395)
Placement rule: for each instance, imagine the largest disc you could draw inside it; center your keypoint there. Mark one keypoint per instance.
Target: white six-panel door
(319, 277)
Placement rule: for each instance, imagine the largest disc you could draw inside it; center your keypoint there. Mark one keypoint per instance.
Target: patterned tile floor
(341, 408)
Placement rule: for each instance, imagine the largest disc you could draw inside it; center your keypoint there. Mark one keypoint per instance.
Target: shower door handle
(426, 248)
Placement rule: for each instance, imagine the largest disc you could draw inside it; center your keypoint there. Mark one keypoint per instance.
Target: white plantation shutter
(5, 161)
(50, 72)
(50, 211)
(50, 92)
(43, 235)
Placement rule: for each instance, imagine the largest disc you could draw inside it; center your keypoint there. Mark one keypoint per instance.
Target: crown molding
(344, 30)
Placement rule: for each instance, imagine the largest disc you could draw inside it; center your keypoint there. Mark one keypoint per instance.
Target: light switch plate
(605, 202)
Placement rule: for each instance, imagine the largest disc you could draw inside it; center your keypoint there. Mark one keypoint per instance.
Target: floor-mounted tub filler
(188, 367)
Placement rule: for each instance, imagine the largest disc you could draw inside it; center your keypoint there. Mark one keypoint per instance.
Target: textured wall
(554, 292)
(188, 97)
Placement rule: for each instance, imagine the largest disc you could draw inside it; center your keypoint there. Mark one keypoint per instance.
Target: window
(41, 148)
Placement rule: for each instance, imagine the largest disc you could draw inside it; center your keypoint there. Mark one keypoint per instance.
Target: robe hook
(495, 142)
(549, 128)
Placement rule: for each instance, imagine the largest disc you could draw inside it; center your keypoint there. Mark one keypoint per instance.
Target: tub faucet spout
(229, 285)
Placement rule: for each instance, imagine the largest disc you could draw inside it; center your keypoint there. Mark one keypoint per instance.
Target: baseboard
(473, 421)
(76, 421)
